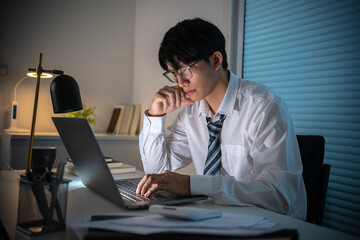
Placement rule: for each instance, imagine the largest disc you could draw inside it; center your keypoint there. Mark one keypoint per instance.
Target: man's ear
(217, 60)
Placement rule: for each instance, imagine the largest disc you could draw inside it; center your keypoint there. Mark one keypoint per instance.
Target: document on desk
(228, 224)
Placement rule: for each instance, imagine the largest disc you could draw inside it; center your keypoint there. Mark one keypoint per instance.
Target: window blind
(309, 53)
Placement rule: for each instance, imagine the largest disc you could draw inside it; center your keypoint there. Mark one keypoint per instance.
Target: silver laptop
(94, 173)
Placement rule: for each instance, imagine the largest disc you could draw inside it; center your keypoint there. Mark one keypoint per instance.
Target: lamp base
(16, 130)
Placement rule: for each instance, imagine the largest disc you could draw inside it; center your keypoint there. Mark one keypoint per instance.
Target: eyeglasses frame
(176, 74)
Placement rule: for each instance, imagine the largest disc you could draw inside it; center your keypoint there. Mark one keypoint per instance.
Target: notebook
(81, 145)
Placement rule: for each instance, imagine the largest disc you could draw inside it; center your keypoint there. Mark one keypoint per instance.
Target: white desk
(83, 203)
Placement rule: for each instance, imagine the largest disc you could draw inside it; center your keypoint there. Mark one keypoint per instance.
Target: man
(238, 134)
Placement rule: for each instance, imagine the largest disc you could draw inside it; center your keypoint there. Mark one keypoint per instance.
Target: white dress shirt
(261, 163)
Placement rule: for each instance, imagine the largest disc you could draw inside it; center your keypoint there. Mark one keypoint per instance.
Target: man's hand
(168, 181)
(168, 99)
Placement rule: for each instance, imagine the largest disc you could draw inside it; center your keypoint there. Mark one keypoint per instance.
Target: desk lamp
(65, 96)
(42, 194)
(14, 105)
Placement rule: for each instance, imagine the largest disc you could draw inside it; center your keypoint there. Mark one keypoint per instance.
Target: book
(125, 168)
(107, 159)
(120, 120)
(115, 164)
(127, 120)
(70, 169)
(112, 164)
(126, 115)
(114, 118)
(134, 128)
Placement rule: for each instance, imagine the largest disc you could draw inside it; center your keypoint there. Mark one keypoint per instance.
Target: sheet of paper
(153, 230)
(228, 224)
(228, 220)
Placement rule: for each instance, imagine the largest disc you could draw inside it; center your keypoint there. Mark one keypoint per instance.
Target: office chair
(315, 174)
(3, 234)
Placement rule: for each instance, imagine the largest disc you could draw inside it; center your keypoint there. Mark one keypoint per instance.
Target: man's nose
(182, 81)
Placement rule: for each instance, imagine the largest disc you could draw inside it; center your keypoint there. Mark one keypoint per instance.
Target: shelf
(55, 136)
(14, 147)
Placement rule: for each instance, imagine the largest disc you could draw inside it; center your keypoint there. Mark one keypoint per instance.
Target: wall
(110, 47)
(91, 40)
(151, 23)
(4, 85)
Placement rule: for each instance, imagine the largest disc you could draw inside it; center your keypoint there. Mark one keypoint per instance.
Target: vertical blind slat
(308, 52)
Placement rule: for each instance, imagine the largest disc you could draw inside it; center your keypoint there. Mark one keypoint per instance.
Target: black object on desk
(290, 234)
(3, 233)
(38, 198)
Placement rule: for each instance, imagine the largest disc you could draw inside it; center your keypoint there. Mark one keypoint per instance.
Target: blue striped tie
(213, 160)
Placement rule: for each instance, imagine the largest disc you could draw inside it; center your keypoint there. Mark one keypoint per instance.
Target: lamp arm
(48, 71)
(32, 132)
(17, 85)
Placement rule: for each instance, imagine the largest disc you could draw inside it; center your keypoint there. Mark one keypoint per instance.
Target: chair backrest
(3, 234)
(315, 174)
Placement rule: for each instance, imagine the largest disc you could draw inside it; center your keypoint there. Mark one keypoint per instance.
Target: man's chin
(194, 99)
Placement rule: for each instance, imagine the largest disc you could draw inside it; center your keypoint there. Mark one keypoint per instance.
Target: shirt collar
(228, 102)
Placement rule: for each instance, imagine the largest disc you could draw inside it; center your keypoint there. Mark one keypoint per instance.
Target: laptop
(84, 151)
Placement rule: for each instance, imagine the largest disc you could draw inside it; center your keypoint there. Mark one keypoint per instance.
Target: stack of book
(125, 120)
(114, 166)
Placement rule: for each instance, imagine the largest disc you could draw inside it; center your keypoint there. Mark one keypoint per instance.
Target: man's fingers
(144, 182)
(156, 187)
(161, 98)
(178, 97)
(147, 184)
(141, 183)
(168, 99)
(166, 180)
(173, 94)
(151, 183)
(169, 94)
(183, 95)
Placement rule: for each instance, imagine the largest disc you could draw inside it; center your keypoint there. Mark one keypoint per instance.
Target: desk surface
(83, 203)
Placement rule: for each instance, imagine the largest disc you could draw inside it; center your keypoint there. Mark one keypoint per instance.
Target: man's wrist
(200, 184)
(149, 114)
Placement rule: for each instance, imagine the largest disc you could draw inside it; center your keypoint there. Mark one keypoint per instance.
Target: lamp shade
(65, 94)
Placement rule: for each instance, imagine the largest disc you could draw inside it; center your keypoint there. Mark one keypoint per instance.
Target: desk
(82, 203)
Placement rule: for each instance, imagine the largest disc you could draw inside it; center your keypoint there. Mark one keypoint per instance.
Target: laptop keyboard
(127, 190)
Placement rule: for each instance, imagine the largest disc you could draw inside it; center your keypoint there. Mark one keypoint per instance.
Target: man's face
(201, 84)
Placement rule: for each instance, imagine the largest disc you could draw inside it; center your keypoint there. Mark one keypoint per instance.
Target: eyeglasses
(184, 73)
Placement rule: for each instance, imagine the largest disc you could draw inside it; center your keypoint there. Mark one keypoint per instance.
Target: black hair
(189, 41)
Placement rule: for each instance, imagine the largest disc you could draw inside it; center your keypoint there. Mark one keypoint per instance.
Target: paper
(228, 220)
(228, 224)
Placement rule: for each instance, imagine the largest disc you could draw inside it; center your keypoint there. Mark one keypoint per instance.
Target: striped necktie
(213, 160)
